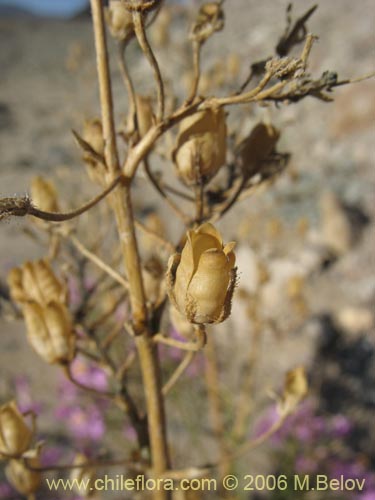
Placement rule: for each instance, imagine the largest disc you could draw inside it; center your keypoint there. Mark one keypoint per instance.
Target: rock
(355, 319)
(336, 228)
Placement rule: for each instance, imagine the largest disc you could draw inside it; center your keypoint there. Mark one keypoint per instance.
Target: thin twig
(179, 371)
(99, 262)
(197, 345)
(21, 207)
(197, 71)
(92, 390)
(157, 237)
(122, 45)
(154, 181)
(139, 27)
(215, 405)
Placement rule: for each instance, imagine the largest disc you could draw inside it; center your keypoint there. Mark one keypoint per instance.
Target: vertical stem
(122, 206)
(215, 405)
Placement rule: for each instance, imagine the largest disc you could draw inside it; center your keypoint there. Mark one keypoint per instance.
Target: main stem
(122, 206)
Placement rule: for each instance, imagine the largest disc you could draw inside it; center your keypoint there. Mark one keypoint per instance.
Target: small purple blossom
(6, 491)
(83, 423)
(24, 398)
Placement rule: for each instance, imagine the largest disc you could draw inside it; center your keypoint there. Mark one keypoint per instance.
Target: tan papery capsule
(22, 478)
(44, 195)
(40, 283)
(50, 331)
(255, 148)
(14, 280)
(201, 280)
(209, 20)
(201, 146)
(93, 134)
(295, 389)
(145, 116)
(83, 476)
(119, 19)
(15, 434)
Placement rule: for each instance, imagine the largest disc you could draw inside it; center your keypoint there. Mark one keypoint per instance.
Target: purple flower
(341, 426)
(6, 491)
(367, 495)
(51, 455)
(24, 398)
(306, 465)
(83, 423)
(89, 374)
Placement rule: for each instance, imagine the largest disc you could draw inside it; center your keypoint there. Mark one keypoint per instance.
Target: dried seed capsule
(201, 146)
(37, 282)
(44, 195)
(15, 434)
(50, 331)
(201, 280)
(255, 148)
(209, 20)
(295, 389)
(22, 478)
(119, 19)
(83, 476)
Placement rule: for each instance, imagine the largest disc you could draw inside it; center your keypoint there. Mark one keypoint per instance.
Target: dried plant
(200, 279)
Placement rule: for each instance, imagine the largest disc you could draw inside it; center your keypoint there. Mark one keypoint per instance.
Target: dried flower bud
(83, 475)
(50, 331)
(145, 116)
(201, 280)
(201, 146)
(23, 479)
(15, 434)
(119, 19)
(295, 389)
(36, 281)
(209, 20)
(257, 146)
(44, 195)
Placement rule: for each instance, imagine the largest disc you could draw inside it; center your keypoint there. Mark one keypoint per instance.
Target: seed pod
(209, 20)
(15, 434)
(145, 116)
(201, 146)
(14, 280)
(44, 195)
(83, 476)
(119, 19)
(201, 280)
(23, 479)
(257, 146)
(50, 331)
(93, 135)
(36, 281)
(295, 389)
